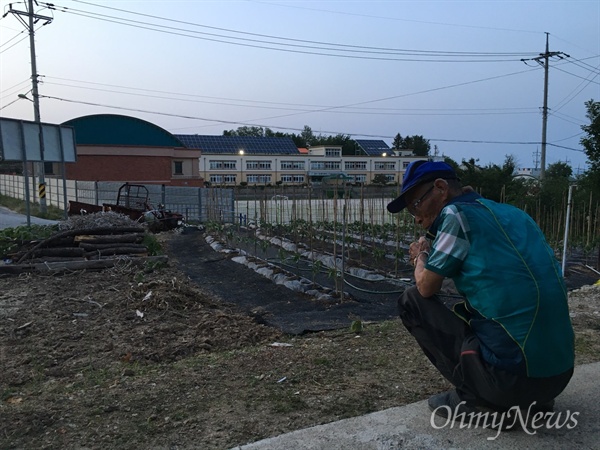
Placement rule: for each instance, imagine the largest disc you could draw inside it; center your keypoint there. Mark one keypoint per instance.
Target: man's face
(424, 203)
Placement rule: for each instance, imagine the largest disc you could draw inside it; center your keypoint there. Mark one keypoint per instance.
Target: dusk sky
(450, 71)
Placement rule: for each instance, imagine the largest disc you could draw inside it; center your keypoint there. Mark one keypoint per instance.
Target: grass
(20, 206)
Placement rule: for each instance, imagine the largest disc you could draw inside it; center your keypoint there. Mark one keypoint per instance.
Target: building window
(258, 165)
(325, 165)
(405, 164)
(293, 165)
(216, 165)
(259, 179)
(292, 178)
(49, 168)
(355, 165)
(222, 179)
(178, 167)
(385, 166)
(390, 178)
(333, 152)
(362, 178)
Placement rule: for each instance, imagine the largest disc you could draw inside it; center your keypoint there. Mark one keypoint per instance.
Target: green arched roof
(114, 129)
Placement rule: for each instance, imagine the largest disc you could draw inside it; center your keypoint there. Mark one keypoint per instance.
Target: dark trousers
(454, 350)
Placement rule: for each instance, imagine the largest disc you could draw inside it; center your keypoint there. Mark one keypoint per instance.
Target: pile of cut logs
(92, 248)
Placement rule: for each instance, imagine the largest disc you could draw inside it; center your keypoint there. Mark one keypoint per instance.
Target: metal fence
(196, 204)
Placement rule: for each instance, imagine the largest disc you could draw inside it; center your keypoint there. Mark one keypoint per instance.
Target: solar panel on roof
(233, 144)
(373, 147)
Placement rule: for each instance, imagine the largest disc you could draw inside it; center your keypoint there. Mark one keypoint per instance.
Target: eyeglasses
(413, 207)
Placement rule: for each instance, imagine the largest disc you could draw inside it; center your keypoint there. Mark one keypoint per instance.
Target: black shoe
(448, 404)
(543, 407)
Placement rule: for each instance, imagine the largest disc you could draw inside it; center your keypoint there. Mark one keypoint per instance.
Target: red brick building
(112, 147)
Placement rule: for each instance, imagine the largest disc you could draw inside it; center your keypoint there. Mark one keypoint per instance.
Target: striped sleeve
(451, 245)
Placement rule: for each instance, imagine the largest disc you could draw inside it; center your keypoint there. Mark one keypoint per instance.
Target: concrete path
(11, 219)
(577, 409)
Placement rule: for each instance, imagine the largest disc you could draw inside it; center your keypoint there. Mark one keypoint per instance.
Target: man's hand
(428, 282)
(422, 245)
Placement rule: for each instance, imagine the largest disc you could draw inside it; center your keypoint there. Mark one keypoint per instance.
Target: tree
(246, 131)
(397, 144)
(491, 181)
(591, 142)
(451, 162)
(307, 135)
(418, 144)
(559, 170)
(555, 184)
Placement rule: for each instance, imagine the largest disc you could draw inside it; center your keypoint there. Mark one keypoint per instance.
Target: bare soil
(131, 358)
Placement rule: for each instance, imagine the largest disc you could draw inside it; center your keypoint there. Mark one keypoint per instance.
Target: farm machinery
(133, 200)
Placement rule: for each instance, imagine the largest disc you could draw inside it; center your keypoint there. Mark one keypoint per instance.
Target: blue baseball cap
(417, 173)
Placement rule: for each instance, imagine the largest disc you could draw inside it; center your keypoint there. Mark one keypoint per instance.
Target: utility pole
(536, 160)
(544, 61)
(32, 19)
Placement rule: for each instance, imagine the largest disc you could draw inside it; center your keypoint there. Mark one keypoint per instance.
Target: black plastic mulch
(269, 303)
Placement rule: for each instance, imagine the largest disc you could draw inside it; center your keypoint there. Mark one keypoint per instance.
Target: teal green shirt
(516, 300)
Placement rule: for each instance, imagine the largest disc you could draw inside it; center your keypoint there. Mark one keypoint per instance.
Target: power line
(143, 92)
(572, 95)
(230, 122)
(303, 40)
(565, 118)
(570, 43)
(28, 80)
(570, 137)
(466, 83)
(18, 42)
(576, 76)
(14, 37)
(397, 18)
(585, 66)
(8, 104)
(309, 47)
(355, 110)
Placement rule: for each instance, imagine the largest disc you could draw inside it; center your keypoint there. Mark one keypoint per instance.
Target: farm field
(143, 358)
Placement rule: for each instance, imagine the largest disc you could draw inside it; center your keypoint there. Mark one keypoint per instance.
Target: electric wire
(312, 45)
(433, 52)
(576, 76)
(565, 119)
(12, 38)
(14, 86)
(459, 111)
(16, 43)
(355, 111)
(8, 104)
(584, 66)
(465, 83)
(574, 93)
(284, 5)
(230, 122)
